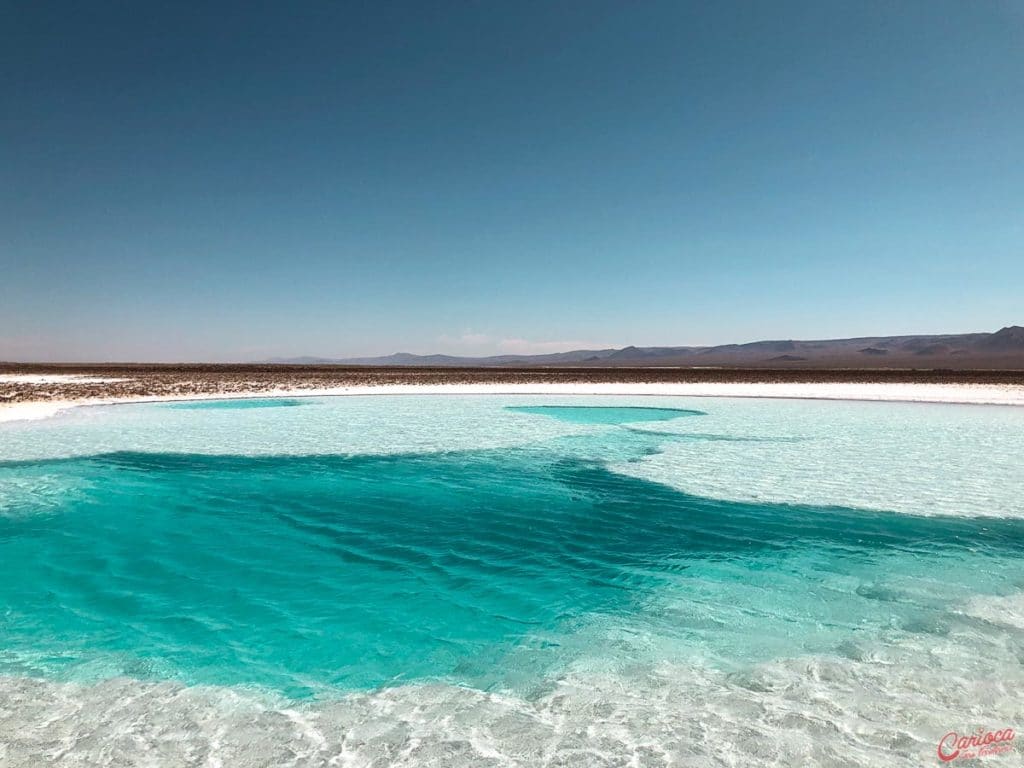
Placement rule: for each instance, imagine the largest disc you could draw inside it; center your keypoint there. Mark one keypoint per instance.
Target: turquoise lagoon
(432, 580)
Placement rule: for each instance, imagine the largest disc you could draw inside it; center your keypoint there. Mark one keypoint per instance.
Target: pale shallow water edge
(923, 459)
(887, 704)
(976, 394)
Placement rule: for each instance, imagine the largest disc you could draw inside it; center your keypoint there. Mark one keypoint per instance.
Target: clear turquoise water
(316, 576)
(235, 405)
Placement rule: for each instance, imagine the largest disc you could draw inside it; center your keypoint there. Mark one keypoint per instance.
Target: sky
(223, 181)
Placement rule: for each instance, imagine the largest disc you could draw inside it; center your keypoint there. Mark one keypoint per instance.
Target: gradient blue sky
(221, 181)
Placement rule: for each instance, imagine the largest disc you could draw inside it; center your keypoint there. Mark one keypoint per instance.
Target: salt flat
(963, 393)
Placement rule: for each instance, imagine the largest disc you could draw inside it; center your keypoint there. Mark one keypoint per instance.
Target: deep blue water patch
(318, 574)
(585, 414)
(236, 404)
(712, 438)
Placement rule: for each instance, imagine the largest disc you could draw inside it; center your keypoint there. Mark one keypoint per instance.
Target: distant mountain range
(1002, 349)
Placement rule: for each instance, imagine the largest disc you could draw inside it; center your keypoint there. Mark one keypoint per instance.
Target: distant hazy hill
(1002, 349)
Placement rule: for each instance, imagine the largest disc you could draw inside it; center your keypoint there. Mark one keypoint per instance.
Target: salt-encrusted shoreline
(971, 394)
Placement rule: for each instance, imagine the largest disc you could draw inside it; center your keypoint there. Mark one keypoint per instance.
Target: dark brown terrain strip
(142, 380)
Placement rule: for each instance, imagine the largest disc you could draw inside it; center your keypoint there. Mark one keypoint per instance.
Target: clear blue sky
(221, 181)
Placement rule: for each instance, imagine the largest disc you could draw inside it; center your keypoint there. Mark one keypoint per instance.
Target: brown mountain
(1002, 350)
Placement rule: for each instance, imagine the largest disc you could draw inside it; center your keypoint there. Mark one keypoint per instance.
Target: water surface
(559, 570)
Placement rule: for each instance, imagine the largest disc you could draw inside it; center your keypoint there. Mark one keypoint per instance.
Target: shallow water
(238, 404)
(494, 582)
(605, 414)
